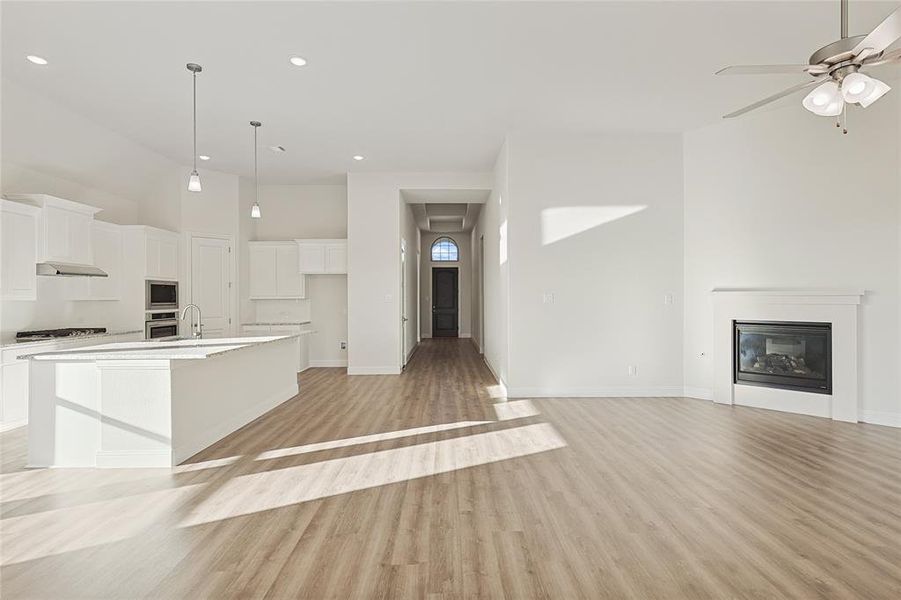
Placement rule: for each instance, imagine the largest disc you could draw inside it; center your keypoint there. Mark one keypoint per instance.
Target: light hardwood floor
(426, 485)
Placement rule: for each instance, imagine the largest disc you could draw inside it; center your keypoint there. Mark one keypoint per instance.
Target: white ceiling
(411, 86)
(443, 217)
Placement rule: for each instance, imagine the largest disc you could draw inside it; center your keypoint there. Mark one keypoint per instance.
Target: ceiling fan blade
(763, 69)
(774, 97)
(885, 34)
(888, 57)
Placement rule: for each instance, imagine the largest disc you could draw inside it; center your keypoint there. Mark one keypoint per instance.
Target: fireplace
(782, 354)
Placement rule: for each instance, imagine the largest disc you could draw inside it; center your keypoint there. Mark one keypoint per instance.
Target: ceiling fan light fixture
(856, 87)
(825, 100)
(880, 89)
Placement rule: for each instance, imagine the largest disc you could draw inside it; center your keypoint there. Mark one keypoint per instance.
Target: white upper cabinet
(274, 271)
(322, 256)
(18, 250)
(162, 254)
(106, 239)
(154, 250)
(64, 229)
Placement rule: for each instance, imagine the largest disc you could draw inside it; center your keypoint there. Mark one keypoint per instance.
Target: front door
(210, 268)
(444, 302)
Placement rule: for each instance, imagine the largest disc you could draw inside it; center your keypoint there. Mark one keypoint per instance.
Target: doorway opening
(445, 303)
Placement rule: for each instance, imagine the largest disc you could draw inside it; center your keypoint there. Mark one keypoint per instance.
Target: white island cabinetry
(152, 404)
(14, 372)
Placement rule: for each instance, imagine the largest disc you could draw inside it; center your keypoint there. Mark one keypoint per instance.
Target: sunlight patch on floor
(64, 530)
(514, 409)
(256, 492)
(366, 439)
(496, 392)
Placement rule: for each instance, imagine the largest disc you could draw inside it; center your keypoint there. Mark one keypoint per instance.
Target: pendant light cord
(256, 177)
(195, 120)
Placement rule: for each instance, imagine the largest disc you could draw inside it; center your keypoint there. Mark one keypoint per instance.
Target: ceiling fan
(837, 68)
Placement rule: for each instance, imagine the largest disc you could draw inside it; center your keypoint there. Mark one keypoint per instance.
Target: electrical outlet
(668, 299)
(548, 298)
(342, 345)
(633, 370)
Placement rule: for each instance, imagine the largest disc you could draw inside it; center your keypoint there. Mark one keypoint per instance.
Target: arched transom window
(445, 249)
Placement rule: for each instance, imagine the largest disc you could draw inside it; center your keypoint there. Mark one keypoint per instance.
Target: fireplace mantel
(836, 306)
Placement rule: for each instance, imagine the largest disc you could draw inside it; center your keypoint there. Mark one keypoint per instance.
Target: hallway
(430, 485)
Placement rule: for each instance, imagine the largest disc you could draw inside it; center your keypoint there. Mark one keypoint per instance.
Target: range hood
(58, 269)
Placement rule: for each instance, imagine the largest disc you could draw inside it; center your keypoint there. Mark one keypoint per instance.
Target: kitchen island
(149, 403)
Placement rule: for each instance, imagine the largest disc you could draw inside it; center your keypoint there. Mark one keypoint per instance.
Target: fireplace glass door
(784, 355)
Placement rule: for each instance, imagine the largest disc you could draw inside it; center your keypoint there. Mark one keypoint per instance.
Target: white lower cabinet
(14, 373)
(303, 340)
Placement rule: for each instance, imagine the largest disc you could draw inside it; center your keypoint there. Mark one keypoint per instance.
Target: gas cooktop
(46, 334)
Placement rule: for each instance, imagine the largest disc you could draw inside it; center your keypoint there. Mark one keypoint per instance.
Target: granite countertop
(278, 323)
(12, 343)
(149, 350)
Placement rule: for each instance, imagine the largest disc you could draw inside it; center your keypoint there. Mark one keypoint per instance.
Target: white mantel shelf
(838, 307)
(796, 296)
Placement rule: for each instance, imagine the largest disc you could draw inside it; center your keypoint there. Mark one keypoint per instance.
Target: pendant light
(255, 212)
(194, 179)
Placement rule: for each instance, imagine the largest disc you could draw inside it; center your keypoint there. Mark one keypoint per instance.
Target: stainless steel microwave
(161, 295)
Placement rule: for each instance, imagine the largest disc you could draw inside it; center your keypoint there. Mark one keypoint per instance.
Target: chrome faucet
(197, 328)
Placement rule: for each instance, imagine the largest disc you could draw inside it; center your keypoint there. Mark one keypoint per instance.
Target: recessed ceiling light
(359, 157)
(203, 157)
(277, 149)
(297, 61)
(36, 59)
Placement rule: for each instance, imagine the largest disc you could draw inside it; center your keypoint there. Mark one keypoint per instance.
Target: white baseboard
(10, 425)
(881, 417)
(392, 370)
(696, 392)
(465, 335)
(426, 336)
(601, 392)
(410, 353)
(329, 362)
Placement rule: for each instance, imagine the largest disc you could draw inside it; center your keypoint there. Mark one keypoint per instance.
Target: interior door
(403, 303)
(445, 307)
(210, 283)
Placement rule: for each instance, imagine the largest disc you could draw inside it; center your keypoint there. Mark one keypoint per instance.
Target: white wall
(475, 304)
(596, 222)
(373, 286)
(782, 199)
(297, 212)
(464, 266)
(48, 145)
(411, 237)
(50, 149)
(492, 226)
